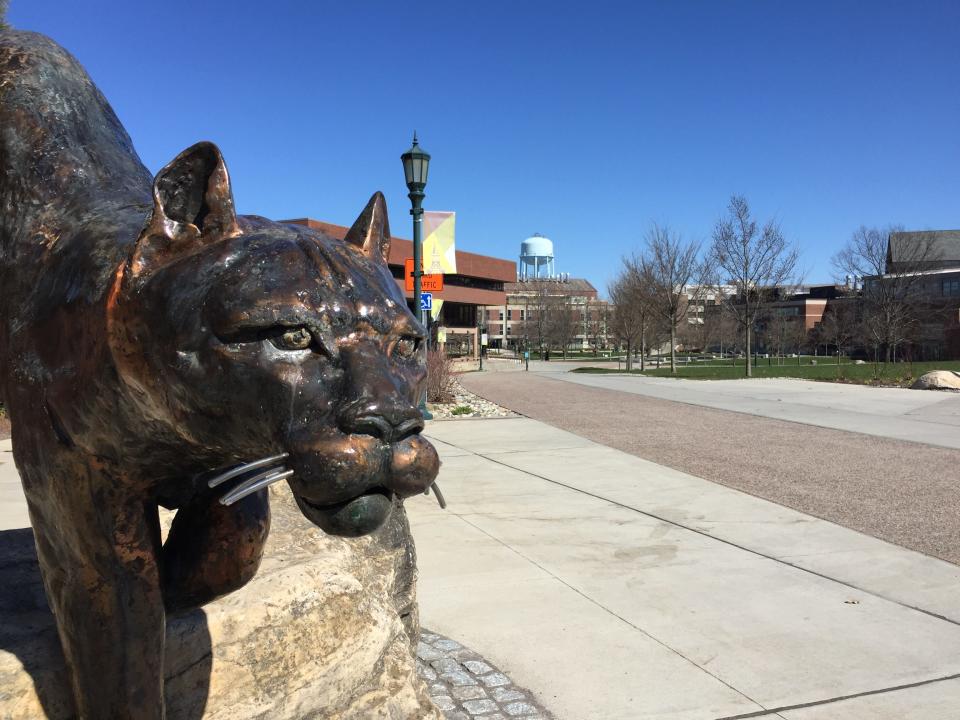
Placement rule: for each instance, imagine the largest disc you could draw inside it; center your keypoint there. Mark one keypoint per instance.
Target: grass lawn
(902, 374)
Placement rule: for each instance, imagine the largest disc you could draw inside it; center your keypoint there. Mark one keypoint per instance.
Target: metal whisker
(245, 467)
(252, 485)
(436, 491)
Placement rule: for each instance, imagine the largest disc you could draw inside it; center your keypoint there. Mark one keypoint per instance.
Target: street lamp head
(416, 164)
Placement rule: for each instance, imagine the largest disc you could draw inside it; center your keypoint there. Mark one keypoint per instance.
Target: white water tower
(536, 257)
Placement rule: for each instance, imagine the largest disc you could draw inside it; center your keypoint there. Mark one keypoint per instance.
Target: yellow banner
(435, 308)
(439, 245)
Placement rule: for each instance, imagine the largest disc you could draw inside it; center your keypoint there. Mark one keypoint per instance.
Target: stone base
(323, 631)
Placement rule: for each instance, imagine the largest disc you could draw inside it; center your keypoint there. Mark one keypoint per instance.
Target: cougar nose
(368, 418)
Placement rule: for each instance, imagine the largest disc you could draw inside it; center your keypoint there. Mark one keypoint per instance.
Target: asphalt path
(903, 492)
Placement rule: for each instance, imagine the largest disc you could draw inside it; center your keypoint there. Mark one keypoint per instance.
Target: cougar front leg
(99, 565)
(213, 549)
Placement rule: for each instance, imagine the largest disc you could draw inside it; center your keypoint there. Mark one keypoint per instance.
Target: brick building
(514, 322)
(478, 283)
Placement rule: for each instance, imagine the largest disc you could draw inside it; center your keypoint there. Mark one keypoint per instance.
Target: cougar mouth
(350, 518)
(344, 485)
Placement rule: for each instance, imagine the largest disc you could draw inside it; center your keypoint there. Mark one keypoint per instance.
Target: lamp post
(416, 165)
(480, 330)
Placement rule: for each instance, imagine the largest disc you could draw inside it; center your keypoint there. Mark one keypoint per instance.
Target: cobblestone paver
(465, 686)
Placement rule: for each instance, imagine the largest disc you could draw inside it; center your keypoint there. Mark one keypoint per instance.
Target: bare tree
(596, 317)
(720, 328)
(561, 325)
(673, 269)
(797, 337)
(893, 293)
(631, 316)
(839, 325)
(755, 261)
(693, 334)
(657, 335)
(538, 307)
(774, 326)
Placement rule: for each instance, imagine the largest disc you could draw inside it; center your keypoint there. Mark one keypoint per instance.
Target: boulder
(938, 380)
(325, 630)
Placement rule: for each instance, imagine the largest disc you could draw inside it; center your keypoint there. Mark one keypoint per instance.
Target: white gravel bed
(478, 407)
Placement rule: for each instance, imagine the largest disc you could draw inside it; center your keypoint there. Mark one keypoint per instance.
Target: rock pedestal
(323, 631)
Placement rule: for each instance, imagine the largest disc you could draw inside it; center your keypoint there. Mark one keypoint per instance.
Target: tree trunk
(643, 350)
(629, 359)
(749, 364)
(673, 350)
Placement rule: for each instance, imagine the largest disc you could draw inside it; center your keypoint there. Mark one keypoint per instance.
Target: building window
(501, 315)
(950, 288)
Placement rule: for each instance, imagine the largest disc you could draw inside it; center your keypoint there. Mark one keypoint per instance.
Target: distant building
(515, 323)
(934, 254)
(791, 312)
(699, 298)
(546, 307)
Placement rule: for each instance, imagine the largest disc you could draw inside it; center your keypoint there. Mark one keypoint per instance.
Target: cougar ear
(192, 206)
(371, 231)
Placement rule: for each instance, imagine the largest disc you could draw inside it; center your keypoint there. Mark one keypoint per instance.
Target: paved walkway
(618, 588)
(13, 506)
(904, 492)
(923, 416)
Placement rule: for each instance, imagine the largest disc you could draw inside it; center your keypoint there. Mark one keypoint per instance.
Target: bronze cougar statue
(157, 349)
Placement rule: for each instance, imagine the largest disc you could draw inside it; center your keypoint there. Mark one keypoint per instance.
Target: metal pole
(480, 311)
(416, 198)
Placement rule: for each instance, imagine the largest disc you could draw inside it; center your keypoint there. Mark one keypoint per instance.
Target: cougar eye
(293, 339)
(407, 346)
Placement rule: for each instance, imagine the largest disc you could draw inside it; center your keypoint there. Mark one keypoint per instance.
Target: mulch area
(905, 493)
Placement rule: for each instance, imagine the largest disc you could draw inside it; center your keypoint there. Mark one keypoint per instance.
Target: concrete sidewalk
(617, 588)
(924, 416)
(13, 506)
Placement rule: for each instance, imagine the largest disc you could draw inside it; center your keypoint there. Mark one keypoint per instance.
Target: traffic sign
(426, 301)
(428, 283)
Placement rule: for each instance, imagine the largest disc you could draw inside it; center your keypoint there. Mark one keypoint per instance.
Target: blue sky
(582, 121)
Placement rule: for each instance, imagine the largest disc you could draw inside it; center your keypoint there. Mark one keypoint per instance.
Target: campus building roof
(940, 249)
(479, 280)
(570, 287)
